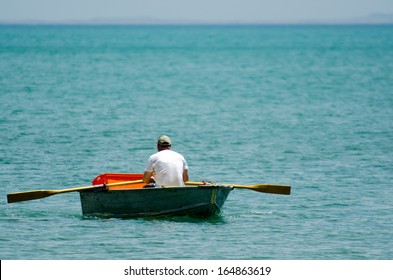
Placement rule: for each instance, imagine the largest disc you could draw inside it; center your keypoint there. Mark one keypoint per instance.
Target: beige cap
(164, 141)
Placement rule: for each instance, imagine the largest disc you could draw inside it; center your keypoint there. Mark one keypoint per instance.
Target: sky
(241, 11)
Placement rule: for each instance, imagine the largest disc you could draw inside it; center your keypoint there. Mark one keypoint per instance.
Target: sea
(310, 106)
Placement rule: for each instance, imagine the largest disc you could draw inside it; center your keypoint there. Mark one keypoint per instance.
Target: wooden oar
(30, 195)
(265, 188)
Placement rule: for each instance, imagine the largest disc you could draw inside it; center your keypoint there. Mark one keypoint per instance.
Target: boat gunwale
(113, 189)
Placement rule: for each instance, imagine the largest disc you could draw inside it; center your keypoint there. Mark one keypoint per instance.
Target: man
(169, 167)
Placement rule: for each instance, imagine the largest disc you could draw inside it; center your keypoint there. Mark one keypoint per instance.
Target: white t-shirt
(168, 167)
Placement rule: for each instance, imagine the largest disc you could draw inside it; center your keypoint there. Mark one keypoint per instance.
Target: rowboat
(126, 196)
(137, 200)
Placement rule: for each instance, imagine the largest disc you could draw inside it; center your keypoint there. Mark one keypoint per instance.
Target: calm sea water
(309, 106)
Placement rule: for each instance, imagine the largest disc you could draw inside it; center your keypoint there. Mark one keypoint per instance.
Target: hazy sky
(194, 10)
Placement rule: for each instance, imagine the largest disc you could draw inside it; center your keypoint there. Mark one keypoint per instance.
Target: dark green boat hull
(201, 201)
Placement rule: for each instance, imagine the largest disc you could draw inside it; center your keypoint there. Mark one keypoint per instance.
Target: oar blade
(276, 189)
(30, 195)
(267, 188)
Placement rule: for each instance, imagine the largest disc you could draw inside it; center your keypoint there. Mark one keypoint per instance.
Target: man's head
(163, 142)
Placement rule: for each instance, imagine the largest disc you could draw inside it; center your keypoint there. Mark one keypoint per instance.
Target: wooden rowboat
(133, 200)
(125, 195)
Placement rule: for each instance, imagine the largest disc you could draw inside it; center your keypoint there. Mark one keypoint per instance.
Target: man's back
(168, 167)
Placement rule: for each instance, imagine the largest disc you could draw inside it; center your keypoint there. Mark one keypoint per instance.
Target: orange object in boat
(109, 178)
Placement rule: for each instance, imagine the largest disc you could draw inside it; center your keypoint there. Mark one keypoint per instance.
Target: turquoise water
(309, 106)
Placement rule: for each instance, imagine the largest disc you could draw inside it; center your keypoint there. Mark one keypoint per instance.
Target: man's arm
(146, 177)
(185, 175)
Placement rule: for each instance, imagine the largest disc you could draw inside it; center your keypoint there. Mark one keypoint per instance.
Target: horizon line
(371, 19)
(175, 23)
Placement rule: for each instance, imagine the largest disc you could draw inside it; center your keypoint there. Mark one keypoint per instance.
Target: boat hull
(199, 201)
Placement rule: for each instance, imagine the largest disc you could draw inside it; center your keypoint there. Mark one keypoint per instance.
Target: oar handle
(197, 183)
(124, 183)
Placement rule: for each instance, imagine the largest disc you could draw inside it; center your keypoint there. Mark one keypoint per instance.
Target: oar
(30, 195)
(265, 188)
